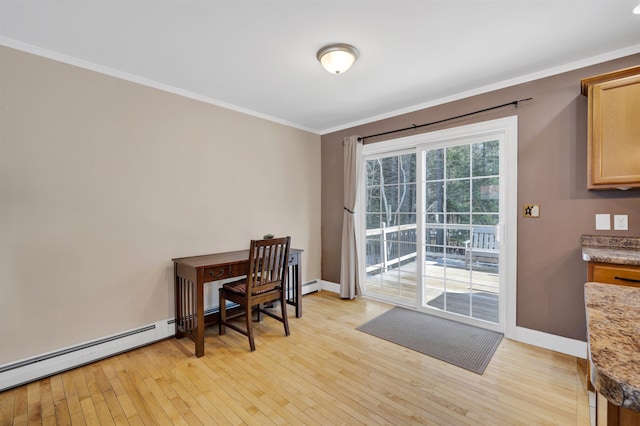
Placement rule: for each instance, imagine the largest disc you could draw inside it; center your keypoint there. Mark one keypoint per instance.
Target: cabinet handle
(631, 280)
(221, 271)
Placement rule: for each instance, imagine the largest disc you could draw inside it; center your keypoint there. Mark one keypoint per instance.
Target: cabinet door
(614, 133)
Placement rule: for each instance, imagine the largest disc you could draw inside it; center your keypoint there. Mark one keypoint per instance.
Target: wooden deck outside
(480, 286)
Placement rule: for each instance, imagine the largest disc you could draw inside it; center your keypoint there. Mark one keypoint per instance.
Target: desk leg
(298, 288)
(294, 283)
(178, 301)
(199, 332)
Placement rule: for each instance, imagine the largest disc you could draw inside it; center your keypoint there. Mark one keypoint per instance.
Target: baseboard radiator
(310, 287)
(27, 370)
(30, 369)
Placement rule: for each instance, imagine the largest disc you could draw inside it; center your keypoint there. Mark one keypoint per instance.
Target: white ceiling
(259, 56)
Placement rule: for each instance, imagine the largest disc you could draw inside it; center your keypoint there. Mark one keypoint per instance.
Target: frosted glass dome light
(337, 58)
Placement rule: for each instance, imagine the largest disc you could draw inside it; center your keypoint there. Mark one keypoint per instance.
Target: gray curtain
(349, 273)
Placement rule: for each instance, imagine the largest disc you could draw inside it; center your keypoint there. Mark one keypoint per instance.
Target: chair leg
(285, 319)
(259, 312)
(252, 344)
(223, 313)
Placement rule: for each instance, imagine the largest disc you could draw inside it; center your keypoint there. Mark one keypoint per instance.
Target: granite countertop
(613, 328)
(619, 250)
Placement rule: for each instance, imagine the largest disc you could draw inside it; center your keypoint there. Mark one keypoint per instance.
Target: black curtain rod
(363, 138)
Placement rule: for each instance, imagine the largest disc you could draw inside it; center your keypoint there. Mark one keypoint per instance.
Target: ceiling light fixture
(337, 58)
(636, 9)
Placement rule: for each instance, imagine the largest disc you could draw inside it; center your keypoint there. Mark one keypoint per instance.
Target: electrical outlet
(620, 222)
(603, 222)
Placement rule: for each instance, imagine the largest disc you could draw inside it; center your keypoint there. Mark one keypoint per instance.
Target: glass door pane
(461, 218)
(390, 241)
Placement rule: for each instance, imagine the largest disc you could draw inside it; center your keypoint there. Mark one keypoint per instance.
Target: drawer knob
(220, 272)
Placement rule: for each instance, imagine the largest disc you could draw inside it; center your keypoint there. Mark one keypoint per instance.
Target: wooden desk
(191, 273)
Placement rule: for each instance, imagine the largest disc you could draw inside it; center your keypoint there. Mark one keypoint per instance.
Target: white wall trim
(46, 53)
(540, 339)
(329, 286)
(81, 63)
(26, 370)
(552, 342)
(583, 63)
(29, 369)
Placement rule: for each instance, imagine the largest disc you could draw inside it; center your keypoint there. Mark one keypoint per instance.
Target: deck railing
(391, 246)
(395, 245)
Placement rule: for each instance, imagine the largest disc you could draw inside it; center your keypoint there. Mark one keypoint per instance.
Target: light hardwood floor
(325, 373)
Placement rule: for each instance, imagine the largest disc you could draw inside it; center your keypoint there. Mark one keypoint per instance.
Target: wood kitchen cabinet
(608, 414)
(613, 159)
(609, 273)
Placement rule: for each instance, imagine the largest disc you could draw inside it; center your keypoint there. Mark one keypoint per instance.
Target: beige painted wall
(103, 181)
(552, 163)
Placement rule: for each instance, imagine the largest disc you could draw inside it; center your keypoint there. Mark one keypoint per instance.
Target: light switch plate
(603, 222)
(620, 222)
(531, 210)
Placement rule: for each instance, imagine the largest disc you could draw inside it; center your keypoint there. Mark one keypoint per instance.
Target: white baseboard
(27, 370)
(329, 286)
(540, 339)
(24, 371)
(564, 345)
(34, 368)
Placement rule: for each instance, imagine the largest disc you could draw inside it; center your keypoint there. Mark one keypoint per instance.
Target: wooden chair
(265, 282)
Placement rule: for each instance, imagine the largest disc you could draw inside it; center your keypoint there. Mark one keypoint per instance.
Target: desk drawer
(239, 269)
(615, 274)
(217, 273)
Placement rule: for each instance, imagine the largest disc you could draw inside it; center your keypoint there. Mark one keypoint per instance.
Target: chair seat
(240, 287)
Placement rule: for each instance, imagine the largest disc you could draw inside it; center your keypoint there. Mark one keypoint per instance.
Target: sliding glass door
(435, 211)
(461, 221)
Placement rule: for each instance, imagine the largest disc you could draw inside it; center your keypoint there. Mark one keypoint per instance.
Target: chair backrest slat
(267, 264)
